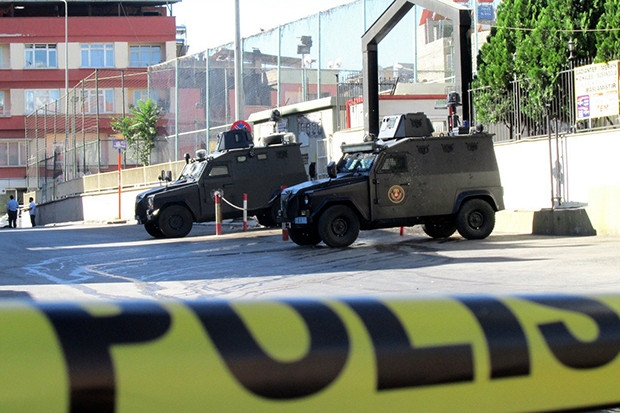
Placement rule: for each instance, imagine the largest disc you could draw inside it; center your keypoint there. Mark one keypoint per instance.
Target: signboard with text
(596, 90)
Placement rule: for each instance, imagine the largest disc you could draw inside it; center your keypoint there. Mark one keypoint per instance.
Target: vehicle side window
(219, 170)
(395, 163)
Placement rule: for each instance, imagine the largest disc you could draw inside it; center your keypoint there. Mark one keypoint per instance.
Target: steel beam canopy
(458, 14)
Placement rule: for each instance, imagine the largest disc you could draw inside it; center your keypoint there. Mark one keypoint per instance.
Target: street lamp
(571, 86)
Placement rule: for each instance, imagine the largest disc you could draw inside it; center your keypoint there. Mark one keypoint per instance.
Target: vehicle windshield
(192, 171)
(356, 162)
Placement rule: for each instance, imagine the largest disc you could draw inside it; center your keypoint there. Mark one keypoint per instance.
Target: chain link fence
(71, 137)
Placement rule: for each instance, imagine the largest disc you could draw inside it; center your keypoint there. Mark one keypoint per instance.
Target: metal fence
(523, 120)
(71, 136)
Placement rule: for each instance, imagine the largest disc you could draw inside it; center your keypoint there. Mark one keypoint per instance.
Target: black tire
(153, 229)
(175, 221)
(339, 226)
(268, 217)
(439, 229)
(475, 219)
(304, 237)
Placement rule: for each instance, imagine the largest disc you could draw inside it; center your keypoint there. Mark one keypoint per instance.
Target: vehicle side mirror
(312, 170)
(162, 175)
(331, 169)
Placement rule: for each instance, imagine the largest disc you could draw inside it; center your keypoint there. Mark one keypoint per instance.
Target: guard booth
(313, 123)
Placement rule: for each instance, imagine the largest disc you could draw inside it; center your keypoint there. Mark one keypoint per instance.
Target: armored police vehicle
(235, 168)
(404, 177)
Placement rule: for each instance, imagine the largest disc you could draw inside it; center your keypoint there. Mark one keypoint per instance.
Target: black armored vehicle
(235, 168)
(404, 177)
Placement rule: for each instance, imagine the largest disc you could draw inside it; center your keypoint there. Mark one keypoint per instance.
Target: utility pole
(239, 95)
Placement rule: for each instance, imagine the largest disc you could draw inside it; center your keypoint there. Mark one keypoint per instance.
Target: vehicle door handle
(406, 184)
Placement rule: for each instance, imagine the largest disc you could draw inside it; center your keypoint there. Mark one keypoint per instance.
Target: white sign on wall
(596, 90)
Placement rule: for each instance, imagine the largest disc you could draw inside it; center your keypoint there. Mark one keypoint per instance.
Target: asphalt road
(84, 262)
(78, 261)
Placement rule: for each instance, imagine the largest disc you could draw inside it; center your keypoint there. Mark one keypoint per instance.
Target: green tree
(530, 43)
(139, 129)
(608, 33)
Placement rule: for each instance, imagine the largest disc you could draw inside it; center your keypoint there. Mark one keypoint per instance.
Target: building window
(97, 55)
(39, 97)
(12, 153)
(142, 94)
(2, 111)
(103, 104)
(143, 56)
(41, 56)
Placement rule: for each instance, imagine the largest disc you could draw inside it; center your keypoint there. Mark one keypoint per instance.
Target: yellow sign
(456, 354)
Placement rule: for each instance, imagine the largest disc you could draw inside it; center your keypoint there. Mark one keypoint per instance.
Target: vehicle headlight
(306, 200)
(149, 202)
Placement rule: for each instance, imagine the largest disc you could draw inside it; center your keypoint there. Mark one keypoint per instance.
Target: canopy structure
(460, 15)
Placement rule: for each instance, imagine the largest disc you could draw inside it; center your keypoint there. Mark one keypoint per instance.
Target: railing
(522, 120)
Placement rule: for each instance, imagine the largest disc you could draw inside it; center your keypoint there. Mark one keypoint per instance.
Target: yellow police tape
(450, 354)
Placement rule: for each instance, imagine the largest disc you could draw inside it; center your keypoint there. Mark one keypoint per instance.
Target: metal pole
(415, 44)
(245, 212)
(558, 164)
(337, 102)
(66, 86)
(238, 66)
(176, 109)
(207, 101)
(318, 68)
(218, 213)
(550, 155)
(120, 182)
(571, 86)
(279, 101)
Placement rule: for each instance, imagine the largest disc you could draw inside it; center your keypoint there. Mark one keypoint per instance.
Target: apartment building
(48, 47)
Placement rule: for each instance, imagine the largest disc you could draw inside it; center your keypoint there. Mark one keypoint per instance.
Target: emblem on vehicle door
(396, 194)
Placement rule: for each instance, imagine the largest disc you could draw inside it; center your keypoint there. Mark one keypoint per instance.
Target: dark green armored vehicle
(404, 177)
(235, 168)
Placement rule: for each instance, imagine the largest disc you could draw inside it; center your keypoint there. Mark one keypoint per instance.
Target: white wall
(590, 176)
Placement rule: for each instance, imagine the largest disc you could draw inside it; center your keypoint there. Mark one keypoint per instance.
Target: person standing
(32, 209)
(11, 208)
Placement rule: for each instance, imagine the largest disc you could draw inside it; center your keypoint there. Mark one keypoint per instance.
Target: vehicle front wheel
(153, 229)
(268, 217)
(339, 226)
(175, 221)
(439, 229)
(475, 219)
(304, 236)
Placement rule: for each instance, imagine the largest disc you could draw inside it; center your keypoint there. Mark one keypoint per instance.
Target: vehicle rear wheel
(339, 226)
(175, 221)
(153, 229)
(306, 236)
(439, 228)
(475, 219)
